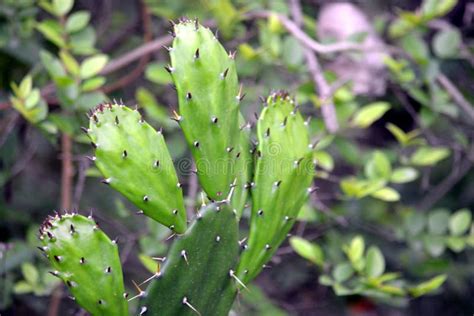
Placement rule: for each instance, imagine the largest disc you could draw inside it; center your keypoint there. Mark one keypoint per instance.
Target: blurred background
(389, 87)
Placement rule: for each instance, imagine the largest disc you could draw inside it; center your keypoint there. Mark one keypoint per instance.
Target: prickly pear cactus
(135, 161)
(284, 171)
(87, 261)
(208, 93)
(198, 275)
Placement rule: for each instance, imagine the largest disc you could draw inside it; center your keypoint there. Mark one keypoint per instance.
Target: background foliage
(390, 220)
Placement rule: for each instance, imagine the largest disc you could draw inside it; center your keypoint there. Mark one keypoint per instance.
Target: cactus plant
(87, 261)
(202, 272)
(208, 93)
(283, 173)
(135, 161)
(193, 281)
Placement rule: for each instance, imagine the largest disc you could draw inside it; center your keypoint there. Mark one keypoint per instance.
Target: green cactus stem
(197, 277)
(208, 93)
(134, 159)
(284, 172)
(87, 261)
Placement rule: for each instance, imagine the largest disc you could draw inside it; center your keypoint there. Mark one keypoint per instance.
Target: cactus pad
(196, 278)
(87, 261)
(135, 161)
(208, 93)
(284, 171)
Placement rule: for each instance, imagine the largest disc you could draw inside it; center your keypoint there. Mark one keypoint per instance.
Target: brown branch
(456, 95)
(327, 107)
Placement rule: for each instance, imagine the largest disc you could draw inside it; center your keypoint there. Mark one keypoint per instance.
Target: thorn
(82, 260)
(266, 267)
(125, 295)
(175, 212)
(214, 119)
(277, 184)
(263, 100)
(241, 242)
(58, 258)
(94, 145)
(255, 114)
(224, 74)
(189, 96)
(267, 132)
(172, 235)
(124, 154)
(116, 120)
(160, 131)
(161, 259)
(196, 54)
(240, 96)
(43, 249)
(179, 185)
(232, 275)
(238, 155)
(84, 129)
(169, 49)
(105, 181)
(72, 229)
(169, 69)
(69, 283)
(176, 117)
(185, 302)
(232, 54)
(108, 270)
(216, 34)
(183, 254)
(311, 190)
(140, 212)
(307, 121)
(284, 121)
(145, 198)
(172, 33)
(172, 228)
(91, 158)
(218, 238)
(229, 149)
(96, 120)
(196, 24)
(297, 162)
(156, 164)
(139, 290)
(55, 273)
(287, 218)
(268, 247)
(196, 144)
(260, 212)
(143, 310)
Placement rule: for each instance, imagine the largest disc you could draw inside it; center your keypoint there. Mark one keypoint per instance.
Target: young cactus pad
(198, 277)
(284, 171)
(208, 93)
(87, 261)
(135, 161)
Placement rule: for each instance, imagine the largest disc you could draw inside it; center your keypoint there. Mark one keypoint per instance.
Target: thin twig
(456, 95)
(327, 107)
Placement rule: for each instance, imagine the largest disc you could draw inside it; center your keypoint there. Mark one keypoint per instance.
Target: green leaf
(323, 160)
(93, 83)
(69, 62)
(30, 273)
(22, 287)
(378, 167)
(434, 245)
(93, 65)
(62, 7)
(156, 72)
(455, 243)
(52, 65)
(52, 31)
(386, 194)
(414, 45)
(428, 286)
(428, 156)
(307, 250)
(342, 272)
(403, 175)
(148, 262)
(438, 221)
(83, 41)
(33, 99)
(374, 262)
(370, 113)
(25, 87)
(356, 248)
(153, 109)
(460, 222)
(446, 43)
(325, 279)
(77, 21)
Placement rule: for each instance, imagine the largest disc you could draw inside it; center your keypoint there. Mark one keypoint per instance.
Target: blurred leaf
(307, 250)
(446, 43)
(90, 100)
(69, 62)
(323, 160)
(403, 175)
(370, 113)
(342, 272)
(93, 83)
(378, 167)
(52, 31)
(356, 249)
(62, 7)
(386, 194)
(438, 221)
(292, 52)
(325, 279)
(153, 109)
(414, 45)
(30, 273)
(428, 286)
(52, 65)
(25, 87)
(22, 287)
(33, 98)
(155, 72)
(434, 245)
(93, 65)
(77, 21)
(460, 221)
(456, 244)
(428, 156)
(148, 262)
(374, 262)
(83, 41)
